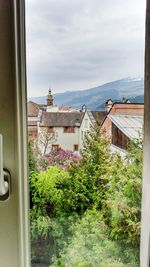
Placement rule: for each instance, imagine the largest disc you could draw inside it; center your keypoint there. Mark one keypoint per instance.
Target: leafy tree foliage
(90, 246)
(46, 196)
(31, 158)
(101, 185)
(60, 158)
(121, 207)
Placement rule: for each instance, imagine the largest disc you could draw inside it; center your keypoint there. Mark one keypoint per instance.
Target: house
(66, 130)
(33, 117)
(63, 127)
(122, 109)
(35, 111)
(59, 130)
(90, 118)
(55, 127)
(124, 122)
(108, 105)
(125, 128)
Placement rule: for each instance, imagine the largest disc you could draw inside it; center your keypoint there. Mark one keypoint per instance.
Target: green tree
(122, 205)
(90, 246)
(96, 162)
(101, 181)
(31, 159)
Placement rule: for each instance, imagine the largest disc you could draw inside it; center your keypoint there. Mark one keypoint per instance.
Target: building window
(118, 138)
(86, 123)
(69, 130)
(76, 147)
(50, 129)
(55, 147)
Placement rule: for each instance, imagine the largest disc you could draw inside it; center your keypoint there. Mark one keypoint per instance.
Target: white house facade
(59, 131)
(86, 124)
(53, 127)
(90, 119)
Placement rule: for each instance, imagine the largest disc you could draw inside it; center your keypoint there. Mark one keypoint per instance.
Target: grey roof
(61, 119)
(131, 126)
(99, 116)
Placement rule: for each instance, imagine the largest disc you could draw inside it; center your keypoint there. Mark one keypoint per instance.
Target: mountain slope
(94, 98)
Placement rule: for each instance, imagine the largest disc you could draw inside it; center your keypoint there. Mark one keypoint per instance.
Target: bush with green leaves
(31, 158)
(48, 230)
(62, 202)
(59, 192)
(92, 169)
(46, 196)
(90, 246)
(122, 204)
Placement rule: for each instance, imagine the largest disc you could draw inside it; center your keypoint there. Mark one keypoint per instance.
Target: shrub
(99, 180)
(122, 203)
(45, 195)
(60, 158)
(31, 159)
(90, 246)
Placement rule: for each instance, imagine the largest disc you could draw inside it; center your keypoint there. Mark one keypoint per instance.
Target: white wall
(32, 118)
(60, 109)
(64, 140)
(52, 109)
(67, 140)
(84, 128)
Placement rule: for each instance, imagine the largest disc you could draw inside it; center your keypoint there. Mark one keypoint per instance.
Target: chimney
(49, 98)
(108, 105)
(84, 108)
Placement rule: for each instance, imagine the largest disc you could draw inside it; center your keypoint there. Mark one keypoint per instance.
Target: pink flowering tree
(61, 158)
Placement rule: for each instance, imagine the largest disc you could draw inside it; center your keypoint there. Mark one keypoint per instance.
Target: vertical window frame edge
(21, 113)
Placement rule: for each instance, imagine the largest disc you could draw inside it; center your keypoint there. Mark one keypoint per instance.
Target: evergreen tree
(31, 158)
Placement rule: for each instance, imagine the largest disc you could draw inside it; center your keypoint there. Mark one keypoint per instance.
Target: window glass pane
(85, 124)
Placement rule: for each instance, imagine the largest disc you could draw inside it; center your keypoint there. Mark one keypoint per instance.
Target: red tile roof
(33, 109)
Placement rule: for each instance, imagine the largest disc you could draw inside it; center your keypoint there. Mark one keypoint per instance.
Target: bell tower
(49, 98)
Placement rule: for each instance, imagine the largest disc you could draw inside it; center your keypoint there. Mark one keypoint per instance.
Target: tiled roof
(131, 126)
(33, 109)
(32, 123)
(61, 119)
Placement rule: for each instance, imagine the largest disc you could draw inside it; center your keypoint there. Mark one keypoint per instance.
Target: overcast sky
(79, 44)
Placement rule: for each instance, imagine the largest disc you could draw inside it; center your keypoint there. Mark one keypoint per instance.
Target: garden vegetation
(85, 212)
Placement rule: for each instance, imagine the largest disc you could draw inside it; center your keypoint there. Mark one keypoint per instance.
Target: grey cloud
(74, 44)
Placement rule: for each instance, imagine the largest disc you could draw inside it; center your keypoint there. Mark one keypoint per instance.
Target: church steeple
(49, 98)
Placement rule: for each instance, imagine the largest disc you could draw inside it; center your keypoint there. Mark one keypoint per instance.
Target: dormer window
(50, 129)
(69, 130)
